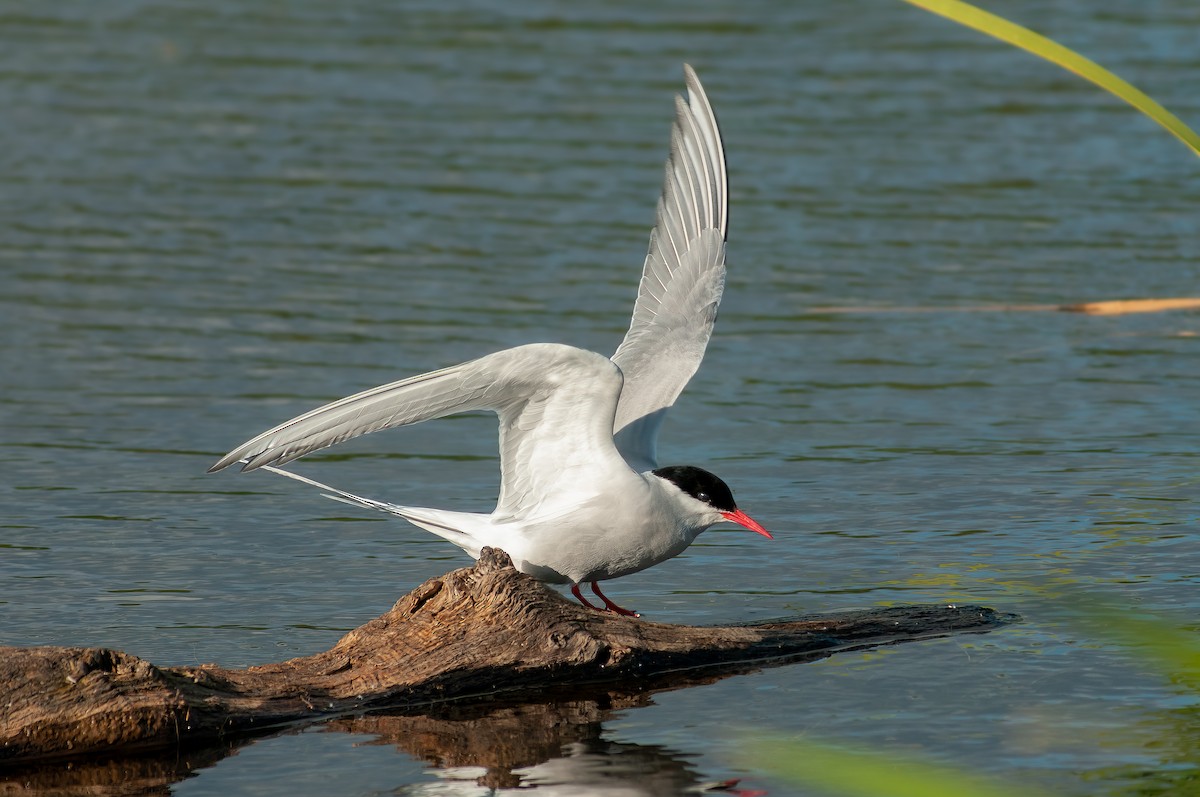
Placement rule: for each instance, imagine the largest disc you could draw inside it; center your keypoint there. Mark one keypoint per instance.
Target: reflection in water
(110, 777)
(557, 748)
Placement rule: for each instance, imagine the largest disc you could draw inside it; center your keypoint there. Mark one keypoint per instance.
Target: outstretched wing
(555, 405)
(682, 279)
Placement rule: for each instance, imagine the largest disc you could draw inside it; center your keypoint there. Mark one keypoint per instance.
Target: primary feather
(682, 279)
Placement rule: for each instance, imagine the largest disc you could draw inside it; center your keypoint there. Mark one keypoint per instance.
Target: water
(220, 214)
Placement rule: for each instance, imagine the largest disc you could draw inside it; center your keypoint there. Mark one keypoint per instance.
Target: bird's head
(714, 495)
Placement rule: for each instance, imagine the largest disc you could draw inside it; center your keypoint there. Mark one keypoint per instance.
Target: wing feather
(555, 405)
(682, 280)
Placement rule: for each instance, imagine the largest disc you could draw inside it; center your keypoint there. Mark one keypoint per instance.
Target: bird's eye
(704, 497)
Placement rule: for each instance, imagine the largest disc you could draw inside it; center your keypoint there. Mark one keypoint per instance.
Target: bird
(582, 497)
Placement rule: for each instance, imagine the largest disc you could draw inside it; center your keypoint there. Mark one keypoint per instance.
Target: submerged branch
(1110, 307)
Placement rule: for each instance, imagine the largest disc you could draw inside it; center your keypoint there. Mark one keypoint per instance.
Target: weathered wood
(470, 635)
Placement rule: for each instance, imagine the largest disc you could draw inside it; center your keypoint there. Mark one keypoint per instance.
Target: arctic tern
(582, 498)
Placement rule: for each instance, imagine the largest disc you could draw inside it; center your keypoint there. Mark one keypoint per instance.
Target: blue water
(218, 215)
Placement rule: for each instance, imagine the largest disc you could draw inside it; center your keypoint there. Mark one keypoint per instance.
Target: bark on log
(473, 635)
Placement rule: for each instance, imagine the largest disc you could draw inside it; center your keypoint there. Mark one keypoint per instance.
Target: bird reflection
(558, 748)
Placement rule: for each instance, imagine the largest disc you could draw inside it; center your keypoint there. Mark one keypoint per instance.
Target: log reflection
(144, 776)
(551, 746)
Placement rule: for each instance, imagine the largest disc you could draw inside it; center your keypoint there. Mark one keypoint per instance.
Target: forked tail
(434, 520)
(339, 495)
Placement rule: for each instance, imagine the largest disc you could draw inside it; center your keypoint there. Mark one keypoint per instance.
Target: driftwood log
(484, 636)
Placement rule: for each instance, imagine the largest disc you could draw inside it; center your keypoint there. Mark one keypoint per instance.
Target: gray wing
(682, 279)
(555, 405)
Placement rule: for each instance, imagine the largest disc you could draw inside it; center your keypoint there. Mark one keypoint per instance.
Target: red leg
(583, 600)
(612, 607)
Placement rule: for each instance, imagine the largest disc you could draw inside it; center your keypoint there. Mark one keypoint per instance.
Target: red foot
(730, 787)
(583, 600)
(609, 606)
(612, 607)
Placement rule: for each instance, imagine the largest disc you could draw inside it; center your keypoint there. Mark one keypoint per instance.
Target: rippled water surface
(219, 214)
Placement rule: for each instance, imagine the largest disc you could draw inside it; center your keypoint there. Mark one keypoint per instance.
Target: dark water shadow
(104, 776)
